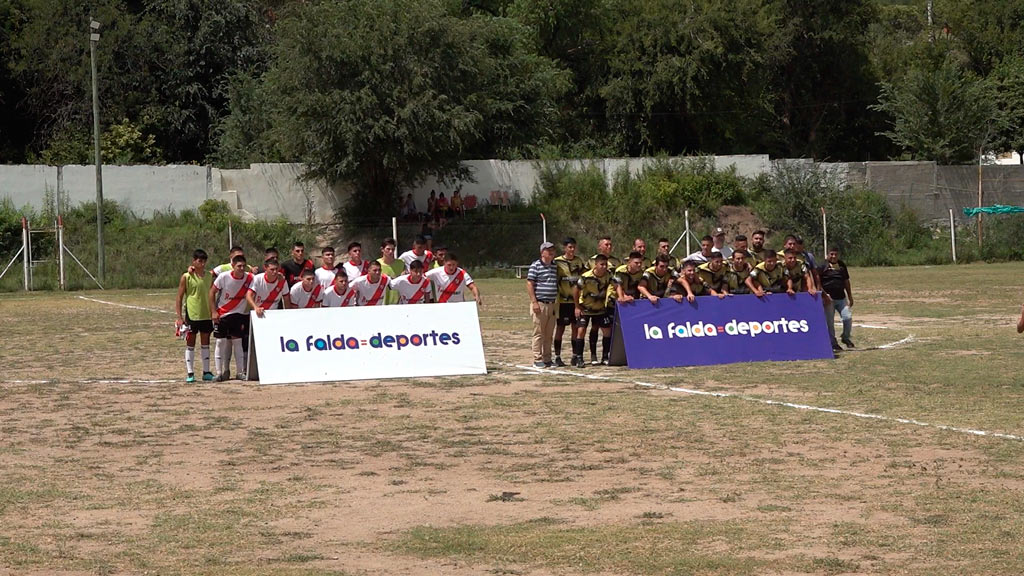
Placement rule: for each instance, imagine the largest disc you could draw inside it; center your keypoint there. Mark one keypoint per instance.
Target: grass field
(110, 463)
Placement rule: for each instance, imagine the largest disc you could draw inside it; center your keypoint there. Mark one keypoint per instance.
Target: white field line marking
(143, 308)
(867, 326)
(770, 402)
(97, 381)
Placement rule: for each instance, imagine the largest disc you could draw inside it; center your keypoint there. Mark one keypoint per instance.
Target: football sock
(593, 343)
(577, 346)
(224, 347)
(606, 347)
(204, 352)
(190, 359)
(236, 345)
(558, 348)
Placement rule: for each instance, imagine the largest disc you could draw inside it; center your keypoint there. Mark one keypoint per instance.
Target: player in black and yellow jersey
(658, 280)
(604, 246)
(790, 244)
(570, 266)
(691, 283)
(663, 248)
(626, 280)
(757, 247)
(639, 245)
(739, 269)
(591, 298)
(739, 243)
(797, 276)
(767, 277)
(712, 274)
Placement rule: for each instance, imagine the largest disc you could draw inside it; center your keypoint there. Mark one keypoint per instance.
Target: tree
(945, 114)
(383, 94)
(1008, 80)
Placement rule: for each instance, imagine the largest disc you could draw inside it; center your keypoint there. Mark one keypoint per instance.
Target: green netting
(996, 209)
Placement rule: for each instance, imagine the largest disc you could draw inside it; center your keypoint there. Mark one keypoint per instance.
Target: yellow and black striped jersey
(658, 285)
(594, 292)
(713, 279)
(629, 283)
(569, 271)
(770, 280)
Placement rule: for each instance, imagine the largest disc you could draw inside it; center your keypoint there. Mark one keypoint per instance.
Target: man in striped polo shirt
(542, 287)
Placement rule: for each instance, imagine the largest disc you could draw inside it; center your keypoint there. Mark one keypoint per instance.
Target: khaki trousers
(543, 330)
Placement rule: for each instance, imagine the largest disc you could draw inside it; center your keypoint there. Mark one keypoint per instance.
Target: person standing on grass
(390, 266)
(293, 268)
(228, 312)
(604, 248)
(419, 252)
(307, 293)
(835, 282)
(193, 293)
(767, 277)
(657, 281)
(591, 301)
(450, 282)
(542, 288)
(570, 267)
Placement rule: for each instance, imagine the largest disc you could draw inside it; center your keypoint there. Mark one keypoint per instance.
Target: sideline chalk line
(143, 308)
(90, 381)
(769, 402)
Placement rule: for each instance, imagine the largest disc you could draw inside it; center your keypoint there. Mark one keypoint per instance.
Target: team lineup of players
(588, 289)
(219, 302)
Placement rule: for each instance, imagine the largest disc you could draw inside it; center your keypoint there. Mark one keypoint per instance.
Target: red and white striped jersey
(231, 298)
(410, 293)
(268, 294)
(302, 299)
(370, 293)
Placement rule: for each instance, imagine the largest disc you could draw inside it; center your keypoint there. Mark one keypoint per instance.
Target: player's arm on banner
(642, 288)
(754, 285)
(686, 286)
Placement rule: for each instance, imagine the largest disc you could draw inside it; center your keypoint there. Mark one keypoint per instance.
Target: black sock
(606, 347)
(577, 346)
(558, 348)
(593, 343)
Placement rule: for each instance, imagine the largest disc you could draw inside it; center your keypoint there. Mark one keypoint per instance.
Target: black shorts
(232, 326)
(600, 320)
(198, 326)
(566, 314)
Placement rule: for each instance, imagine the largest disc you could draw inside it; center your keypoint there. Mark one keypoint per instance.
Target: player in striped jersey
(371, 288)
(339, 295)
(307, 293)
(450, 282)
(327, 270)
(356, 266)
(419, 252)
(228, 311)
(269, 288)
(412, 288)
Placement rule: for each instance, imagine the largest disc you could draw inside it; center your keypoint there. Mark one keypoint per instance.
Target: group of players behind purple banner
(570, 291)
(218, 301)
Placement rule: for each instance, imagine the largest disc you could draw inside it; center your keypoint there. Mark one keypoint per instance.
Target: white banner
(360, 343)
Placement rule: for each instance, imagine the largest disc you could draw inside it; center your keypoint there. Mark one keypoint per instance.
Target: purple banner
(740, 328)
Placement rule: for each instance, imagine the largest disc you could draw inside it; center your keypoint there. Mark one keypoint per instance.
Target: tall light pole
(94, 37)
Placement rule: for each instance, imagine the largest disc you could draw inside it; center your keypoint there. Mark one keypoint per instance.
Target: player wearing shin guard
(450, 282)
(412, 288)
(570, 267)
(591, 298)
(228, 311)
(372, 288)
(269, 289)
(307, 293)
(193, 293)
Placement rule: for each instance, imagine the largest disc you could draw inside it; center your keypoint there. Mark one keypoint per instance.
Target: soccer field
(904, 456)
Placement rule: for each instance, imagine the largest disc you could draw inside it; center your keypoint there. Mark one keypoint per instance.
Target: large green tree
(384, 94)
(945, 114)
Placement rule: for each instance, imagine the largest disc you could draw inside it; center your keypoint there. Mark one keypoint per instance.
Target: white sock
(216, 355)
(236, 345)
(190, 359)
(224, 347)
(204, 352)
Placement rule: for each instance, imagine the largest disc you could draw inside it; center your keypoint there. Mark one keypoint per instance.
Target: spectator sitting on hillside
(442, 209)
(458, 208)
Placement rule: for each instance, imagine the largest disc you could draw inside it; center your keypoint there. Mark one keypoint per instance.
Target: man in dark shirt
(835, 282)
(293, 268)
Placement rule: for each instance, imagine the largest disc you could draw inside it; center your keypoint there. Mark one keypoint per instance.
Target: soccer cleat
(836, 347)
(593, 360)
(848, 342)
(604, 361)
(558, 362)
(190, 378)
(538, 365)
(242, 376)
(208, 376)
(224, 376)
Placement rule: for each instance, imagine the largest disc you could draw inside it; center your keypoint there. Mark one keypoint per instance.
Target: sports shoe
(242, 376)
(604, 361)
(577, 361)
(549, 364)
(538, 365)
(190, 378)
(836, 347)
(208, 377)
(224, 376)
(848, 342)
(558, 362)
(593, 360)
